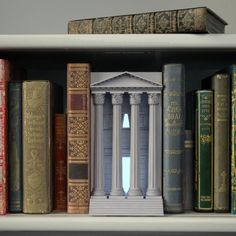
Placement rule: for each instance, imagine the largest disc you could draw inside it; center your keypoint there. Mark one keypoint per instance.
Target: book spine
(78, 133)
(220, 85)
(173, 136)
(15, 147)
(4, 78)
(233, 139)
(37, 146)
(60, 163)
(204, 151)
(188, 170)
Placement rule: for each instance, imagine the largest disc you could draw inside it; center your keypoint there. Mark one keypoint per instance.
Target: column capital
(135, 98)
(99, 98)
(117, 98)
(153, 98)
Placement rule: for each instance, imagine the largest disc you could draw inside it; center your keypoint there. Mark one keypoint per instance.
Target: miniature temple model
(137, 98)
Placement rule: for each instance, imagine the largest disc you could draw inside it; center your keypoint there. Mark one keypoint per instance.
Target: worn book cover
(204, 151)
(190, 20)
(15, 146)
(60, 163)
(4, 78)
(78, 141)
(37, 146)
(173, 136)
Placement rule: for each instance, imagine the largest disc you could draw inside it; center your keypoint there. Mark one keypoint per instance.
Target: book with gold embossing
(37, 146)
(204, 151)
(173, 136)
(78, 137)
(190, 20)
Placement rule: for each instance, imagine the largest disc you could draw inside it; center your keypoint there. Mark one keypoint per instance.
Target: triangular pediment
(125, 80)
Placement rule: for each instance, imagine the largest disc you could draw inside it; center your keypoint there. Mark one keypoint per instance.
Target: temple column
(99, 100)
(117, 188)
(134, 190)
(153, 101)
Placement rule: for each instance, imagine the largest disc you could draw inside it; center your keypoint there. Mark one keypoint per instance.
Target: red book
(4, 78)
(60, 160)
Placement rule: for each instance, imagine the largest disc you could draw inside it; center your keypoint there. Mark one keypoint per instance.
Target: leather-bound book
(60, 163)
(15, 146)
(190, 20)
(78, 137)
(173, 136)
(204, 151)
(4, 78)
(37, 146)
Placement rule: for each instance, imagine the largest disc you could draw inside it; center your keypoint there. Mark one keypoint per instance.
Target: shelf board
(65, 42)
(193, 222)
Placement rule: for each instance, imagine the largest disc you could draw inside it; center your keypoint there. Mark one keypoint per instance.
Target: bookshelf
(46, 56)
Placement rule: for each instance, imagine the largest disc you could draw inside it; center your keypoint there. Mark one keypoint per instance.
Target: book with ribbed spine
(78, 137)
(37, 146)
(173, 136)
(15, 146)
(60, 163)
(5, 68)
(204, 151)
(190, 20)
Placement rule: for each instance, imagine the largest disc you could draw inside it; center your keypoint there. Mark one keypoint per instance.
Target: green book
(204, 151)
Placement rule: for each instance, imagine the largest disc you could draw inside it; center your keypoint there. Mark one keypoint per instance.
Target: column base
(99, 192)
(117, 192)
(130, 206)
(134, 192)
(153, 192)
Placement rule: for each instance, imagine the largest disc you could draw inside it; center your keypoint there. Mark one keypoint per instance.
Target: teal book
(15, 146)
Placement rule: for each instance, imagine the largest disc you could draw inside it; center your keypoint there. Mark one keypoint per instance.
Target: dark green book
(173, 136)
(204, 151)
(15, 146)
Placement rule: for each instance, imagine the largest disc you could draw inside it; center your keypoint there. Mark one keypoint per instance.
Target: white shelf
(172, 223)
(129, 41)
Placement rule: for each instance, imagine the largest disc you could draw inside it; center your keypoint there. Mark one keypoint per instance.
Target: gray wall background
(52, 16)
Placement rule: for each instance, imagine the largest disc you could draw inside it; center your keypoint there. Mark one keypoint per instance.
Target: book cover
(4, 78)
(78, 137)
(190, 20)
(204, 151)
(37, 146)
(60, 163)
(173, 136)
(15, 146)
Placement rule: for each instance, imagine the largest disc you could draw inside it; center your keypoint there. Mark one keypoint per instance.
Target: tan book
(37, 146)
(78, 133)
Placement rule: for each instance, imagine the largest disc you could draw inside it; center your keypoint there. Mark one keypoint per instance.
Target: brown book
(37, 146)
(60, 163)
(78, 141)
(190, 20)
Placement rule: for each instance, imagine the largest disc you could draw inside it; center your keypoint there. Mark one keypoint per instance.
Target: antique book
(220, 84)
(204, 151)
(4, 78)
(190, 20)
(37, 146)
(188, 164)
(78, 137)
(15, 146)
(173, 136)
(60, 163)
(232, 71)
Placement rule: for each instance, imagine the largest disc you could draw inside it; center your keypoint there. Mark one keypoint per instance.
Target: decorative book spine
(37, 146)
(204, 151)
(188, 170)
(4, 78)
(233, 139)
(172, 21)
(173, 136)
(15, 146)
(60, 163)
(220, 85)
(78, 133)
